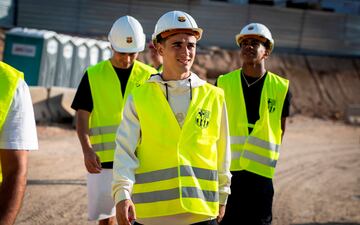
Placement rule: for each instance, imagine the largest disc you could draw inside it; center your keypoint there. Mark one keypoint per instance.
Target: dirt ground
(317, 179)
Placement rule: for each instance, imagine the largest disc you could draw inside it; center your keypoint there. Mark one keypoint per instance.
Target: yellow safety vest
(258, 151)
(178, 166)
(9, 78)
(108, 103)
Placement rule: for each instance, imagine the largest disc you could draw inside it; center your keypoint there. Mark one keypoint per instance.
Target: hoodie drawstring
(166, 88)
(190, 89)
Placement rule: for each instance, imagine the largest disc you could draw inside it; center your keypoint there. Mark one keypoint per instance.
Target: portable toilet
(93, 50)
(33, 52)
(48, 63)
(105, 50)
(64, 61)
(80, 62)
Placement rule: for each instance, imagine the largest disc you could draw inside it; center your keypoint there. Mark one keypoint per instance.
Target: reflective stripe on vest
(171, 194)
(172, 177)
(170, 173)
(103, 130)
(255, 141)
(9, 79)
(257, 152)
(108, 103)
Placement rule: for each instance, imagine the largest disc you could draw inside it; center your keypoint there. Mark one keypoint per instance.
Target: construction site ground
(317, 179)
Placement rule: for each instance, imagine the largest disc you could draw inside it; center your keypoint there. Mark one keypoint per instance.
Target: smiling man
(258, 103)
(172, 157)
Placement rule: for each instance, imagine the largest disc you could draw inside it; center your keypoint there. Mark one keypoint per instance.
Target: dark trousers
(250, 202)
(209, 222)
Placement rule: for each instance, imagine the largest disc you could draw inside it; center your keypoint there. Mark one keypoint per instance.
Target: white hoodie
(178, 93)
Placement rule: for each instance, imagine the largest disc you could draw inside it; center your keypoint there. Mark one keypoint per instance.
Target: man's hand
(125, 212)
(92, 161)
(221, 213)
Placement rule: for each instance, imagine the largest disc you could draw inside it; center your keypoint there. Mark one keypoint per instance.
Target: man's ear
(267, 54)
(160, 48)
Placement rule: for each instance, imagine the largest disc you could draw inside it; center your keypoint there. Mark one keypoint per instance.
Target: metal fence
(294, 30)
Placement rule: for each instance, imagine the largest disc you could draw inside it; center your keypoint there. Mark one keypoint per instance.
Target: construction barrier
(52, 104)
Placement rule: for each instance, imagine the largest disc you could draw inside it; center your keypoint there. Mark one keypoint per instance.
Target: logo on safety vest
(129, 40)
(181, 18)
(203, 118)
(271, 105)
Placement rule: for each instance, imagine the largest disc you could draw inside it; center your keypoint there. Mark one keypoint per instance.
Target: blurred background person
(156, 60)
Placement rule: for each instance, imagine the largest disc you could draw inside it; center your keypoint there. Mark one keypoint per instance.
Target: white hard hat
(176, 22)
(127, 35)
(255, 30)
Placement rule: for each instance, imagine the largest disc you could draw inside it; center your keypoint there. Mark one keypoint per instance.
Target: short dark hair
(159, 39)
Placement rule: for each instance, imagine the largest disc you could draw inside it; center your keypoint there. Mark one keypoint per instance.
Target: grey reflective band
(156, 196)
(170, 173)
(260, 159)
(104, 146)
(103, 130)
(263, 144)
(158, 175)
(165, 195)
(237, 139)
(199, 173)
(235, 154)
(193, 192)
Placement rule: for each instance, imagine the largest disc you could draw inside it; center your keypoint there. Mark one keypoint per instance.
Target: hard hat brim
(240, 37)
(128, 50)
(169, 33)
(197, 32)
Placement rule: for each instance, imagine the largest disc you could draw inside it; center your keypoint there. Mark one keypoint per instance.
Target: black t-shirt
(252, 97)
(83, 98)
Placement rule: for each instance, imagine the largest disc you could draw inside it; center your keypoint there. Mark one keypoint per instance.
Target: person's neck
(253, 70)
(117, 65)
(171, 75)
(156, 65)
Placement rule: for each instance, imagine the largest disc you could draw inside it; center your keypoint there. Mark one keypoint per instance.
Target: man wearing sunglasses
(258, 103)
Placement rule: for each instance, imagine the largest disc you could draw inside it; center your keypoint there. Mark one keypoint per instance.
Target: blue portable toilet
(32, 52)
(64, 61)
(80, 61)
(105, 50)
(93, 50)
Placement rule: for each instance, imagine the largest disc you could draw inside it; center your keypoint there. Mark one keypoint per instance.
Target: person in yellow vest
(258, 103)
(155, 58)
(172, 157)
(99, 103)
(17, 136)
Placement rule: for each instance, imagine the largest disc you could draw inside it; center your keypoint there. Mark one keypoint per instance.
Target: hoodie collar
(193, 79)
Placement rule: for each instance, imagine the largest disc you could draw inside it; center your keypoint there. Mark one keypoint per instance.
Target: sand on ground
(317, 179)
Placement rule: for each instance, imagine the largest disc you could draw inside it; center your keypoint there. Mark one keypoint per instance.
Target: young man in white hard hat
(99, 103)
(172, 157)
(17, 137)
(258, 103)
